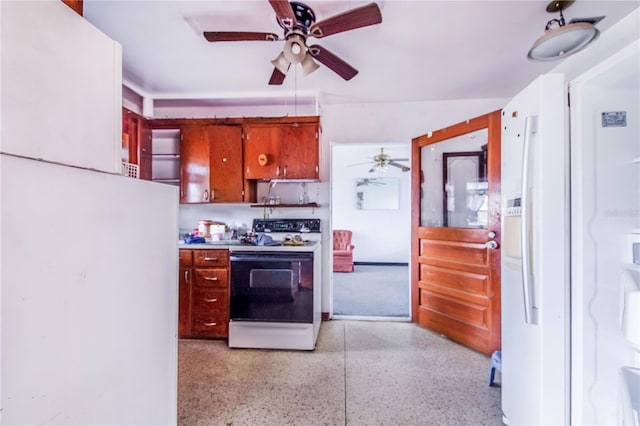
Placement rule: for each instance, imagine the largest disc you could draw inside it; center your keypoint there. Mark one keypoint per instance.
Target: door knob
(492, 245)
(491, 234)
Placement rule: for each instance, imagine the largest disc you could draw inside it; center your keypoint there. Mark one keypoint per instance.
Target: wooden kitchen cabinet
(204, 299)
(194, 165)
(211, 164)
(281, 151)
(210, 295)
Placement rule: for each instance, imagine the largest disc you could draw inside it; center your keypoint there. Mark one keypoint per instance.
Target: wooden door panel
(471, 253)
(457, 330)
(454, 308)
(447, 280)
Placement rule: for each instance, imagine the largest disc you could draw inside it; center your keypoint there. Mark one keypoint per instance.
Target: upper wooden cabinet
(211, 164)
(194, 165)
(281, 151)
(226, 181)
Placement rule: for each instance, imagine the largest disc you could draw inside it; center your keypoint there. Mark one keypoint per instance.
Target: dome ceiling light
(561, 39)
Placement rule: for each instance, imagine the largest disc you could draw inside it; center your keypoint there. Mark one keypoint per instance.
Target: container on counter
(204, 228)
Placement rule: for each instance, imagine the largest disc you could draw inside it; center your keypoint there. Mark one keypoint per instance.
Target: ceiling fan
(382, 161)
(299, 22)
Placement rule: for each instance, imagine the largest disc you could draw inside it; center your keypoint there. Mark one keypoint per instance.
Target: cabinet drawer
(211, 257)
(185, 257)
(210, 325)
(211, 277)
(210, 301)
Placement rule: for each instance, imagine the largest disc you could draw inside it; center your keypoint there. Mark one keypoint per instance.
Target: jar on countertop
(204, 228)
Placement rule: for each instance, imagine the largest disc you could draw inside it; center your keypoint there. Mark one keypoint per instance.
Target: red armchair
(342, 251)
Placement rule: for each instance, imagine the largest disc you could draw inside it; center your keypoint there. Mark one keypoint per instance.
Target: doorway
(372, 199)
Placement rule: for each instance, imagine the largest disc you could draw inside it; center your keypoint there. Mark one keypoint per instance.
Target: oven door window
(272, 287)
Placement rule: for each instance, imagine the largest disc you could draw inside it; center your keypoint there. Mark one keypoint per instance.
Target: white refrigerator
(571, 210)
(88, 258)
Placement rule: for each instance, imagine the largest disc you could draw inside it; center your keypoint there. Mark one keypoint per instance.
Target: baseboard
(382, 263)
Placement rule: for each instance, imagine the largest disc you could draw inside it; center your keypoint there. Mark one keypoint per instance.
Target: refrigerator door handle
(530, 127)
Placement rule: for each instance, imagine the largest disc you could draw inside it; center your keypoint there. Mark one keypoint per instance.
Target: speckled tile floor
(361, 373)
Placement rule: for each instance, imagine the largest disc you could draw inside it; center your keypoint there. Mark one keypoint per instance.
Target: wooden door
(456, 270)
(300, 151)
(225, 144)
(194, 165)
(262, 151)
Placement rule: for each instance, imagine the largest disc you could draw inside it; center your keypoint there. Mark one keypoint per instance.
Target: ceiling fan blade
(277, 77)
(398, 159)
(239, 36)
(284, 12)
(349, 20)
(400, 166)
(336, 64)
(358, 164)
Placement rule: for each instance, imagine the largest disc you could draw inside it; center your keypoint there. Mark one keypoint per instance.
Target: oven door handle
(271, 257)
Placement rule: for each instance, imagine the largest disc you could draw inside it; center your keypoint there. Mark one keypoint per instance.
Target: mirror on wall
(454, 189)
(378, 193)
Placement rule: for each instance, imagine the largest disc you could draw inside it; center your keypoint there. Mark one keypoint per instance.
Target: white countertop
(234, 246)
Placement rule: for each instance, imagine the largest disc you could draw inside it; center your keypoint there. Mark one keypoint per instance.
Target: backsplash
(240, 215)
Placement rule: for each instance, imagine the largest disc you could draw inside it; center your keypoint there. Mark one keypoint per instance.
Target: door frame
(373, 146)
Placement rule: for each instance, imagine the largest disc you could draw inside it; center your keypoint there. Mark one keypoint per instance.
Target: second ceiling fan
(299, 22)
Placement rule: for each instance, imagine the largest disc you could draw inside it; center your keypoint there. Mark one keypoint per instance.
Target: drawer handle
(210, 259)
(211, 278)
(210, 324)
(210, 300)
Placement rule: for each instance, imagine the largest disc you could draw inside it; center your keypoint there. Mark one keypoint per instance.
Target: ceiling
(422, 50)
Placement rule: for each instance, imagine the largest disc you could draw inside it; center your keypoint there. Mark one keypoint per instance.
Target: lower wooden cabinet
(204, 293)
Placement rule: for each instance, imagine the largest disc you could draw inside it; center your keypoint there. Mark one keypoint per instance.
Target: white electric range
(275, 300)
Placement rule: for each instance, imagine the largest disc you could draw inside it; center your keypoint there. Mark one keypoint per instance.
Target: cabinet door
(226, 183)
(299, 159)
(194, 165)
(262, 140)
(184, 301)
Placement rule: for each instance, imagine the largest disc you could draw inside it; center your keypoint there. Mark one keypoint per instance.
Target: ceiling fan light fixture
(309, 65)
(281, 63)
(295, 49)
(563, 41)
